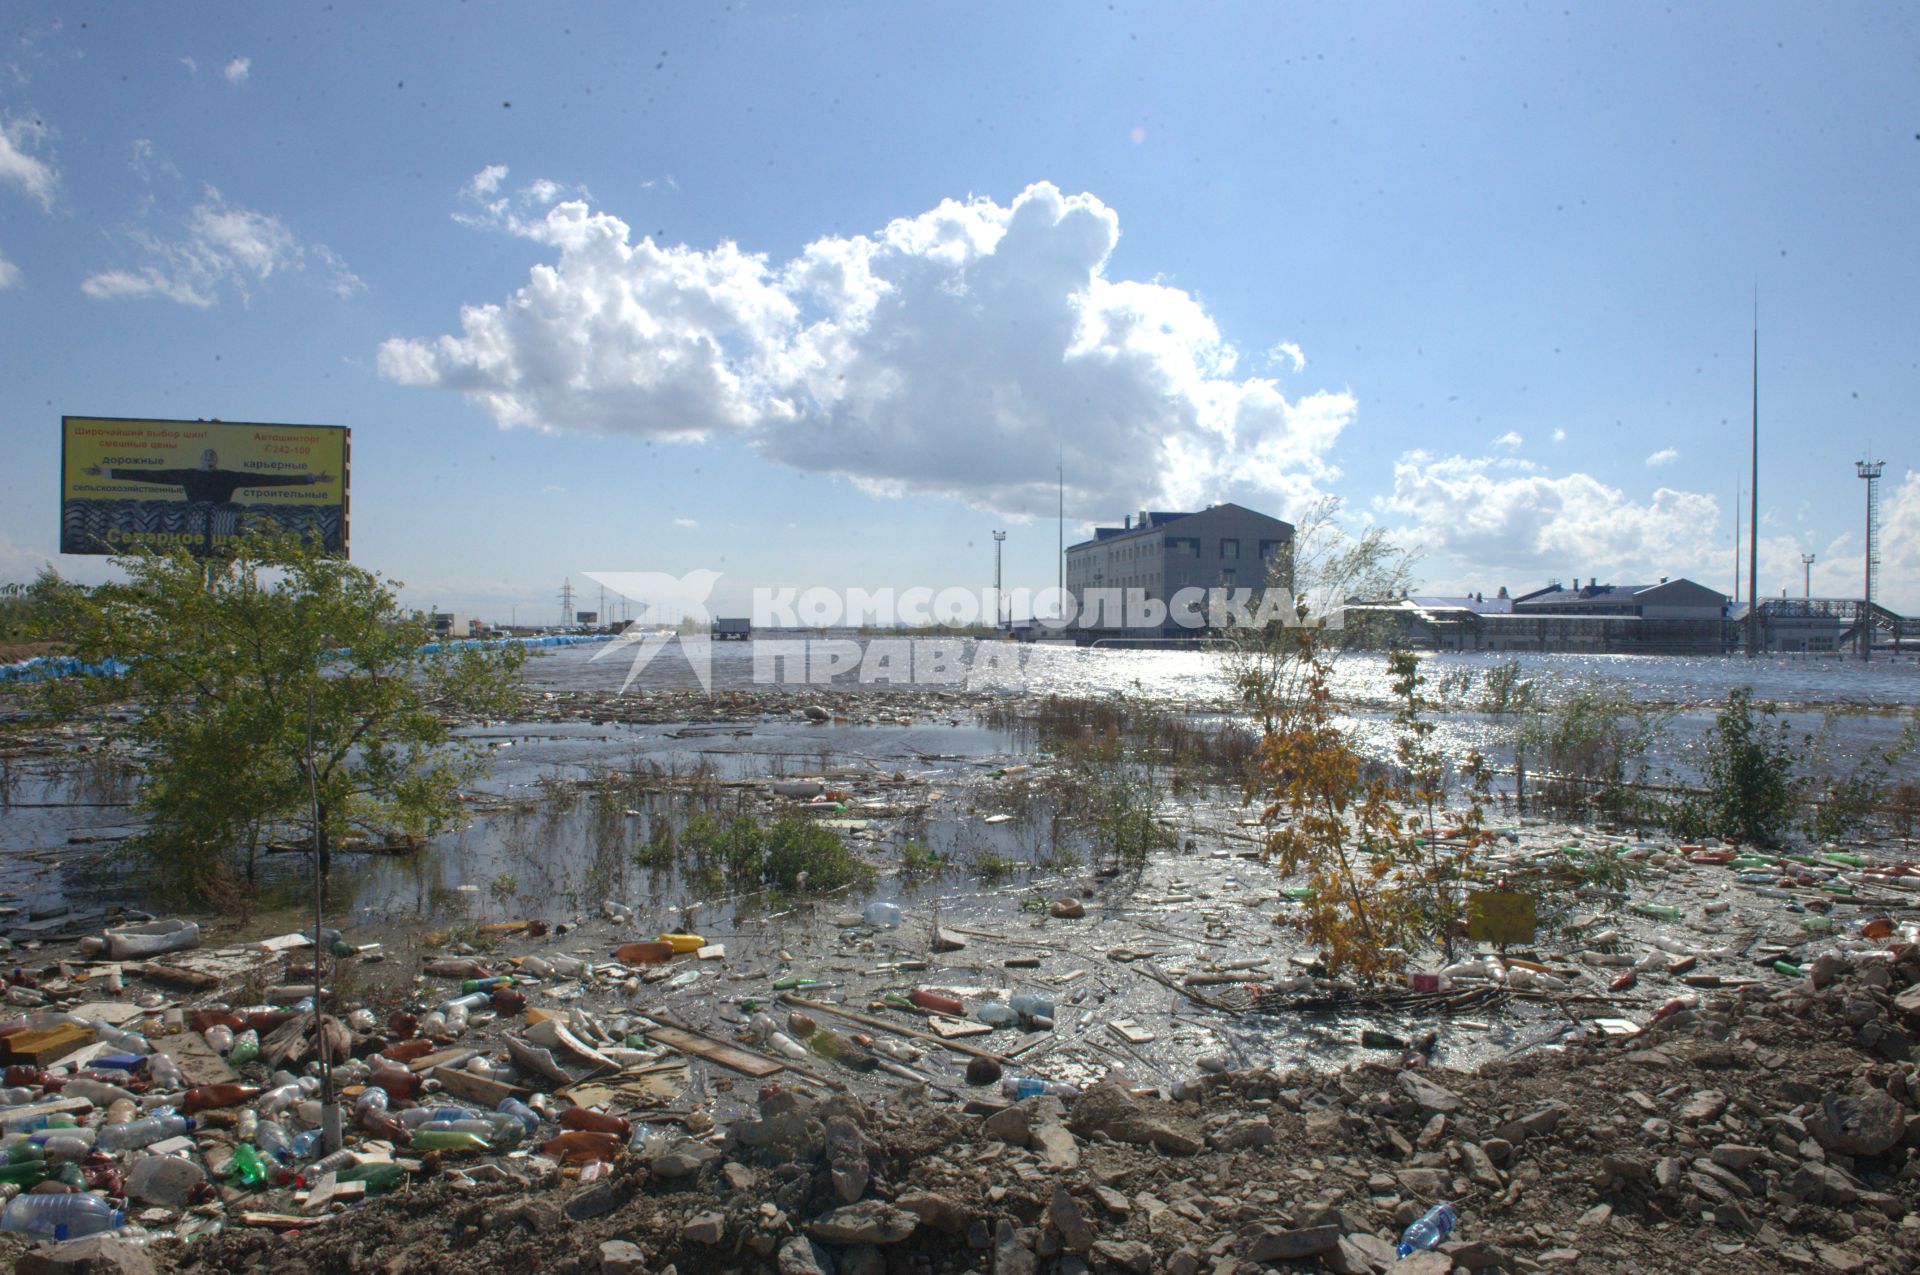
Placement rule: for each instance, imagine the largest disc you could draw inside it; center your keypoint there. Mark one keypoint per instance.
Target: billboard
(199, 485)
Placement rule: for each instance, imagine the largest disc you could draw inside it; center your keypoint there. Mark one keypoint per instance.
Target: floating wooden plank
(274, 1221)
(40, 1046)
(741, 1060)
(1131, 1032)
(868, 1020)
(948, 1028)
(449, 1058)
(476, 1088)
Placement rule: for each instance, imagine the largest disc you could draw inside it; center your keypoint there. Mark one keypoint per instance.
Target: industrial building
(1672, 617)
(1159, 554)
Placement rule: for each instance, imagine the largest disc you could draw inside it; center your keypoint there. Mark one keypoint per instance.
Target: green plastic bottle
(1788, 968)
(1817, 924)
(789, 984)
(25, 1153)
(1660, 911)
(246, 1167)
(246, 1048)
(25, 1173)
(1845, 860)
(1297, 891)
(380, 1177)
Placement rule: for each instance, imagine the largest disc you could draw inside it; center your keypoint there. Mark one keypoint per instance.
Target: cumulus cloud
(9, 274)
(1524, 525)
(20, 167)
(957, 352)
(1559, 435)
(220, 247)
(237, 71)
(1510, 440)
(685, 522)
(1665, 456)
(1289, 353)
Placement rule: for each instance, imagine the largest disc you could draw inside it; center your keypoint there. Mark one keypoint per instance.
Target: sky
(823, 294)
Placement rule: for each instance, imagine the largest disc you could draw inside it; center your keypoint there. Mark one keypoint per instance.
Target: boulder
(1863, 1125)
(90, 1255)
(870, 1222)
(1108, 1108)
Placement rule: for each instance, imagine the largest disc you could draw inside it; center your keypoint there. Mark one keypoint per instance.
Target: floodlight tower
(999, 538)
(1870, 470)
(1806, 564)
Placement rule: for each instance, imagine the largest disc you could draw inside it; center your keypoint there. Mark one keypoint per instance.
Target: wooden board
(43, 1045)
(948, 1028)
(740, 1060)
(197, 1061)
(455, 1057)
(476, 1088)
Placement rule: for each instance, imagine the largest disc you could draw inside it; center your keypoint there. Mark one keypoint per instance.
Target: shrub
(1750, 786)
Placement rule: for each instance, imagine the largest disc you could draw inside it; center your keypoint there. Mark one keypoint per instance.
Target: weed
(504, 888)
(918, 861)
(991, 865)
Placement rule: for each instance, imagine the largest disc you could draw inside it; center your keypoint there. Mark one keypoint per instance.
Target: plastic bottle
(380, 1176)
(537, 965)
(25, 1175)
(143, 1132)
(448, 1140)
(1019, 1087)
(398, 1082)
(246, 1048)
(207, 1097)
(1032, 1005)
(578, 1146)
(278, 1100)
(164, 1072)
(219, 1038)
(520, 1111)
(246, 1167)
(882, 915)
(472, 985)
(304, 1143)
(1659, 911)
(271, 1140)
(935, 1001)
(61, 1217)
(995, 1014)
(471, 1001)
(595, 1122)
(98, 1092)
(1429, 1231)
(164, 1179)
(132, 1042)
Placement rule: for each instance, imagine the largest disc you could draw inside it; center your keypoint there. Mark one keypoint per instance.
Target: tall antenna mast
(1753, 509)
(1738, 494)
(1870, 470)
(1061, 552)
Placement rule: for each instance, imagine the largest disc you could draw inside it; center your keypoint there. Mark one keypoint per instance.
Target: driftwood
(1269, 1000)
(293, 1040)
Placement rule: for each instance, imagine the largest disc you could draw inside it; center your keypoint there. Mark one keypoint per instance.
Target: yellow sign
(199, 485)
(1500, 917)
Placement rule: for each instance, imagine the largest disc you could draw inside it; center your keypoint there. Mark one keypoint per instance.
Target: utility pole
(1753, 507)
(566, 601)
(1870, 470)
(999, 538)
(1806, 563)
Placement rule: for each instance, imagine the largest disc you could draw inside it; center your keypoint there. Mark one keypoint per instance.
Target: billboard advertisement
(198, 485)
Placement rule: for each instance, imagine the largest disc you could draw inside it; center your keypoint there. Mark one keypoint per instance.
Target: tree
(282, 689)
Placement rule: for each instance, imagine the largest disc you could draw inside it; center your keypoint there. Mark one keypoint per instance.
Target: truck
(732, 628)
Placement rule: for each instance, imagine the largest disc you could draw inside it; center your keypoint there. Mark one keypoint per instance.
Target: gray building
(1669, 618)
(1158, 554)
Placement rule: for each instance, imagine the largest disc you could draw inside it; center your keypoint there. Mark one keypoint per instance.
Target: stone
(870, 1222)
(1735, 1156)
(1113, 1201)
(1595, 1216)
(705, 1228)
(1010, 1125)
(1424, 1264)
(1863, 1125)
(847, 1153)
(1242, 1134)
(1010, 1256)
(1280, 1244)
(596, 1200)
(1841, 1259)
(738, 1176)
(623, 1257)
(1068, 909)
(1480, 1170)
(1108, 1108)
(1127, 1255)
(801, 1256)
(1067, 1219)
(1431, 1098)
(89, 1255)
(1055, 1146)
(1821, 1183)
(936, 1211)
(1702, 1106)
(1347, 1258)
(682, 1161)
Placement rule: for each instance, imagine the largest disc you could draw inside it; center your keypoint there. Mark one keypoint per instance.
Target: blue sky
(816, 294)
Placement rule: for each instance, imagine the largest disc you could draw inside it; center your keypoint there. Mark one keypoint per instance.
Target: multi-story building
(1154, 555)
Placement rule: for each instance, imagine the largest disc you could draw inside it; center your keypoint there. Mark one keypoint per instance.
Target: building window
(1188, 545)
(1270, 547)
(1227, 577)
(1229, 549)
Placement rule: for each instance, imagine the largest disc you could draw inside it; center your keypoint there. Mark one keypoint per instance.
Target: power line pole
(566, 601)
(1753, 508)
(1870, 470)
(1806, 563)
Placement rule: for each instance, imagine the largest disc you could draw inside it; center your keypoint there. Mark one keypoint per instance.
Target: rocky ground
(1762, 1131)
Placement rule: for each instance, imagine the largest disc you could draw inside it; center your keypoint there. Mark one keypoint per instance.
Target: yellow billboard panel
(199, 485)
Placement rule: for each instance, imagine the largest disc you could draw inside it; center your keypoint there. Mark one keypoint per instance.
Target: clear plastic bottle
(1429, 1231)
(143, 1132)
(132, 1042)
(97, 1092)
(61, 1217)
(219, 1037)
(882, 915)
(164, 1072)
(527, 1116)
(246, 1048)
(272, 1141)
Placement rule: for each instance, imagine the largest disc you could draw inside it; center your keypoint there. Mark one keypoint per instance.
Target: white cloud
(956, 352)
(193, 66)
(1559, 435)
(9, 274)
(237, 71)
(1289, 353)
(1510, 440)
(685, 522)
(220, 246)
(1497, 522)
(1665, 456)
(19, 167)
